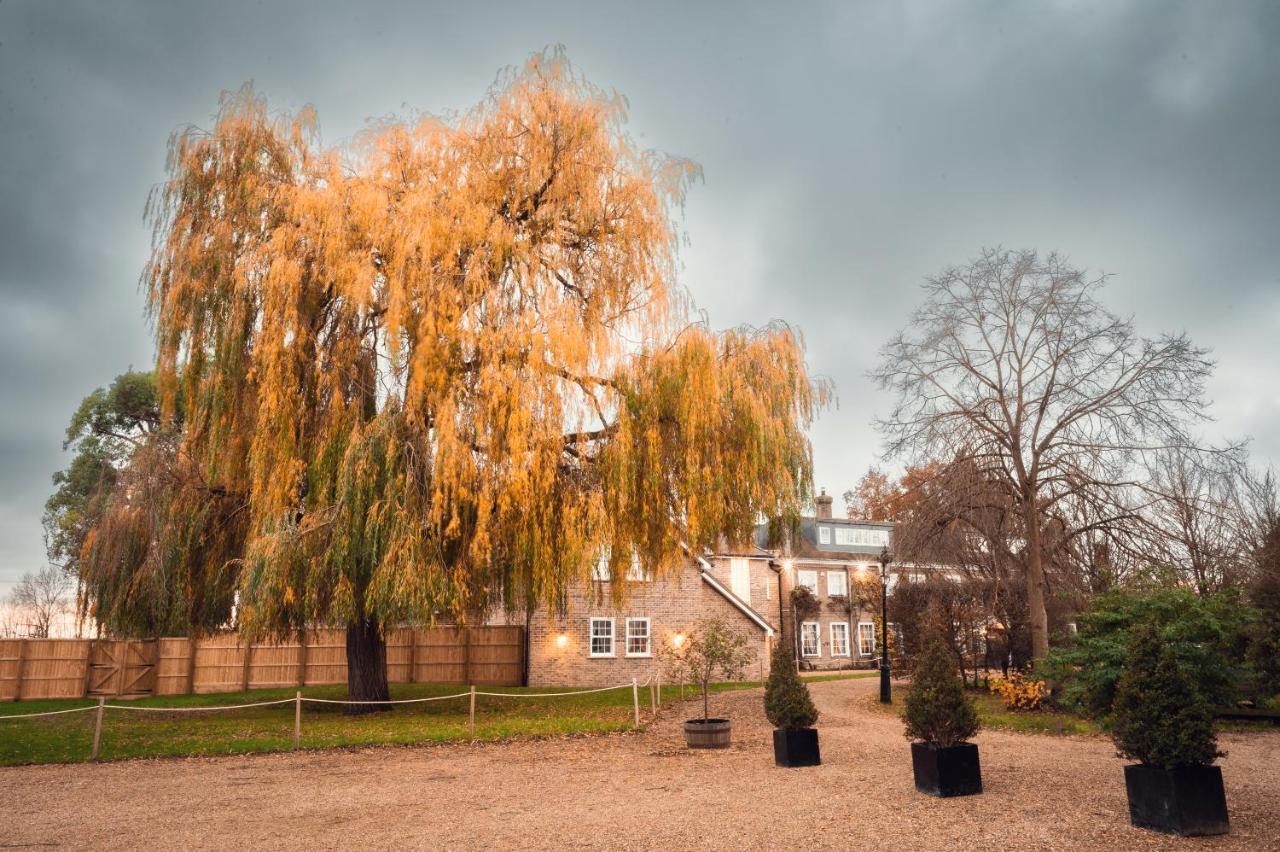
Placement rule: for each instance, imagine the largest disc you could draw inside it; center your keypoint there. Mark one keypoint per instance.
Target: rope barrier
(197, 709)
(553, 694)
(48, 713)
(395, 701)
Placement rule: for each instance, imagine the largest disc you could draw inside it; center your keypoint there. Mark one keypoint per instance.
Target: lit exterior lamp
(677, 640)
(886, 558)
(562, 640)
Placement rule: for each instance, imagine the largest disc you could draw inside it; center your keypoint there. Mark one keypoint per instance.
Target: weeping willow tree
(447, 365)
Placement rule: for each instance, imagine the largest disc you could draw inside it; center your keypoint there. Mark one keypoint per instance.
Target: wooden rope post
(297, 719)
(657, 683)
(471, 720)
(97, 727)
(635, 699)
(17, 676)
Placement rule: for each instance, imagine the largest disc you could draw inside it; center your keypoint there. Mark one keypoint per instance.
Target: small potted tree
(939, 719)
(711, 649)
(1160, 719)
(790, 710)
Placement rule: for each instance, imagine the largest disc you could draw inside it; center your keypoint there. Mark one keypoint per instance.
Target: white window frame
(591, 639)
(600, 571)
(824, 535)
(648, 638)
(636, 572)
(835, 652)
(811, 586)
(817, 638)
(872, 652)
(844, 583)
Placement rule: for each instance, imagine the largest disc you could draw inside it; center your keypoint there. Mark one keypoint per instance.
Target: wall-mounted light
(677, 640)
(562, 640)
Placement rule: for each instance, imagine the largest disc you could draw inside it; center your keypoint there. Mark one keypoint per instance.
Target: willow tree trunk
(366, 666)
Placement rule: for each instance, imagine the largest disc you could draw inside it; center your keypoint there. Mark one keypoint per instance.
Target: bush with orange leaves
(1019, 692)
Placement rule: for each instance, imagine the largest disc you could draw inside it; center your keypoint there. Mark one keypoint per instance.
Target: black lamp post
(885, 690)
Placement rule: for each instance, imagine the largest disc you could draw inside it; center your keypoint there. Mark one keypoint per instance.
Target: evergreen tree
(1159, 717)
(937, 710)
(787, 703)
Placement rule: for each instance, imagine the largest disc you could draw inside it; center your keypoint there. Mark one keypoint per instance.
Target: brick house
(832, 557)
(595, 643)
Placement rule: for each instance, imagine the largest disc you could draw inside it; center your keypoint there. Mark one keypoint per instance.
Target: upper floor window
(824, 535)
(808, 579)
(860, 536)
(837, 583)
(636, 571)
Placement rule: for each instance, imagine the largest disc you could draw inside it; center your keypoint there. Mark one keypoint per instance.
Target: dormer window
(824, 535)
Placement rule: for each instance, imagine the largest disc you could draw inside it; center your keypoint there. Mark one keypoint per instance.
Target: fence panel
(74, 668)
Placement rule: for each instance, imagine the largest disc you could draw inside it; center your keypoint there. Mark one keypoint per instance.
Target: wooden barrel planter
(707, 733)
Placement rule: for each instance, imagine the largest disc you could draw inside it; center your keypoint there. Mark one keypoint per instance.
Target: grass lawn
(129, 733)
(993, 714)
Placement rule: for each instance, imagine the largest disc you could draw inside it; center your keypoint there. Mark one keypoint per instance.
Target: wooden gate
(121, 667)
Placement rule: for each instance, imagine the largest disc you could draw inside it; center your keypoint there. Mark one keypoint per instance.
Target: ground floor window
(638, 637)
(839, 639)
(866, 639)
(602, 637)
(810, 639)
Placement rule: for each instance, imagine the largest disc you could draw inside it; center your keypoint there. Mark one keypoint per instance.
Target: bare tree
(38, 599)
(1013, 365)
(1197, 525)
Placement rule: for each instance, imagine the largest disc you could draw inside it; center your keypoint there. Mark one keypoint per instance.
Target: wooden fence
(78, 668)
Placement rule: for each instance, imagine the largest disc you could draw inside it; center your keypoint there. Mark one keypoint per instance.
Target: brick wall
(673, 605)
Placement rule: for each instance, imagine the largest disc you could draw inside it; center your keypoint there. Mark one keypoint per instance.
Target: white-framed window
(810, 639)
(638, 637)
(636, 572)
(839, 638)
(837, 583)
(600, 571)
(808, 579)
(601, 637)
(866, 639)
(824, 535)
(864, 537)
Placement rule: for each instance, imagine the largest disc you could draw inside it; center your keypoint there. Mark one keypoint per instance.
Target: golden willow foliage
(450, 360)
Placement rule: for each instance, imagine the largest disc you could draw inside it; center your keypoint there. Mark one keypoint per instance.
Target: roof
(845, 538)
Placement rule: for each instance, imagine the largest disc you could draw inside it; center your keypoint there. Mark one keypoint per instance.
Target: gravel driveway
(627, 791)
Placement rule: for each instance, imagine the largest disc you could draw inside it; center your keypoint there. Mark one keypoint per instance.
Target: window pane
(836, 584)
(808, 579)
(866, 638)
(839, 639)
(637, 637)
(602, 637)
(809, 639)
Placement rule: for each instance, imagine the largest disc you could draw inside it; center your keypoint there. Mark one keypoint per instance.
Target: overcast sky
(850, 149)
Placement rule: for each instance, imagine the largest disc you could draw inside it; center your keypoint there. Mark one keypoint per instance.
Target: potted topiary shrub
(711, 649)
(1160, 719)
(790, 710)
(940, 718)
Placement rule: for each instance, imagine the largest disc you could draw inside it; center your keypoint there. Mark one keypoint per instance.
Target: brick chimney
(823, 501)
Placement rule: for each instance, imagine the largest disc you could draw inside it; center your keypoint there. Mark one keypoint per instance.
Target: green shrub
(1159, 717)
(1206, 633)
(937, 710)
(787, 703)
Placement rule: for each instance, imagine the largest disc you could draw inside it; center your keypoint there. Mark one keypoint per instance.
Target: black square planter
(946, 770)
(1188, 801)
(796, 748)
